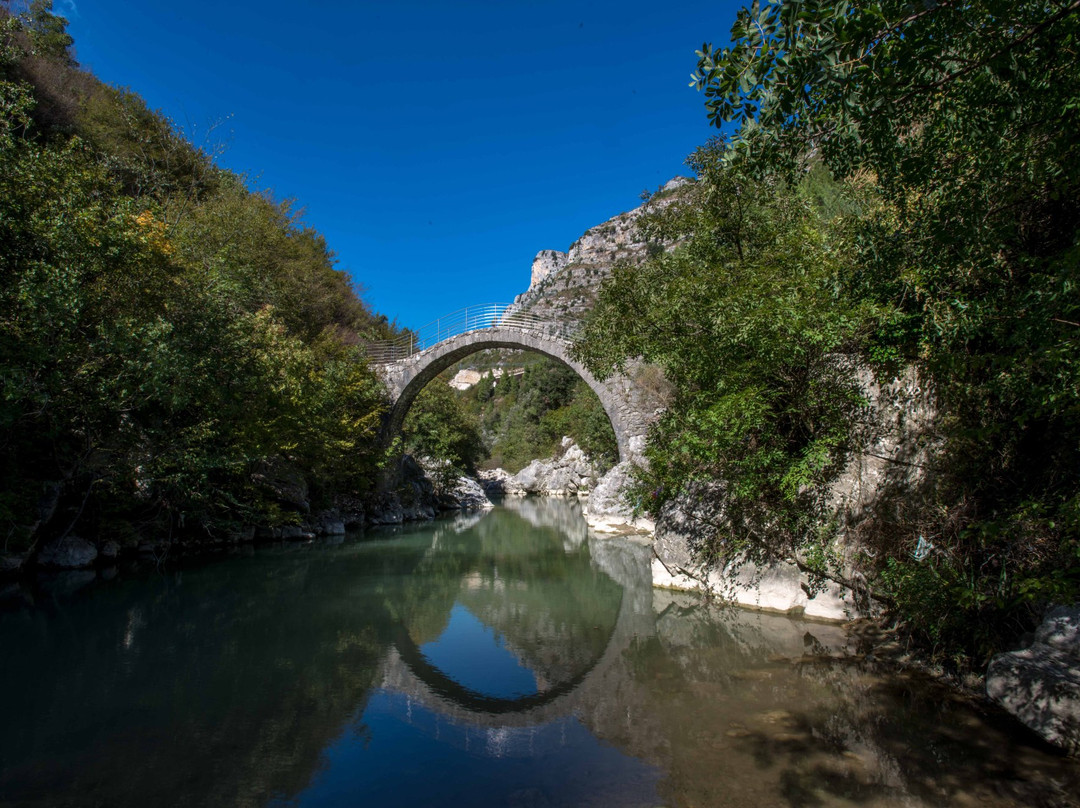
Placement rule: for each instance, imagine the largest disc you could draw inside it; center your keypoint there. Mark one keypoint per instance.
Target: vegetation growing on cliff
(526, 416)
(509, 420)
(166, 335)
(947, 243)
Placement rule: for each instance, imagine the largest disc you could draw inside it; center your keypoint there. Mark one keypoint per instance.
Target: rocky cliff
(563, 284)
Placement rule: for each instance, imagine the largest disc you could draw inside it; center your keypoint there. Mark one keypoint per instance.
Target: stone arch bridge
(409, 364)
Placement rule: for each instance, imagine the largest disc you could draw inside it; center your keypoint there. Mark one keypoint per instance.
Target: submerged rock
(1040, 685)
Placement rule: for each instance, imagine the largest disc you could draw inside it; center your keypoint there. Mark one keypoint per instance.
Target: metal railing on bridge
(463, 321)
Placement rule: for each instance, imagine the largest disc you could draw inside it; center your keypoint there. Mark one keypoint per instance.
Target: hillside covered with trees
(902, 195)
(172, 344)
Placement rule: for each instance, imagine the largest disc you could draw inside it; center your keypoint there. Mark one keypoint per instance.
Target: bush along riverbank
(418, 497)
(875, 226)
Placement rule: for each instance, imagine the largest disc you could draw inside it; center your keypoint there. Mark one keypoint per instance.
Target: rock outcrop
(686, 524)
(547, 262)
(563, 284)
(568, 474)
(67, 554)
(608, 510)
(1040, 685)
(466, 495)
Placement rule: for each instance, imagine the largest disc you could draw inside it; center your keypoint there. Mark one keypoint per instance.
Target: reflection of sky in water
(401, 754)
(474, 656)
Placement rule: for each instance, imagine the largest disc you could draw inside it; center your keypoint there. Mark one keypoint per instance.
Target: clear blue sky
(437, 145)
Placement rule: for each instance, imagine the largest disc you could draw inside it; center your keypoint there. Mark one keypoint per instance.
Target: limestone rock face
(1040, 685)
(468, 495)
(68, 554)
(608, 511)
(546, 263)
(898, 442)
(570, 474)
(685, 524)
(563, 284)
(465, 378)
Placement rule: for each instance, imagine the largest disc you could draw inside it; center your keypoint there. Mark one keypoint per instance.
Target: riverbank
(417, 498)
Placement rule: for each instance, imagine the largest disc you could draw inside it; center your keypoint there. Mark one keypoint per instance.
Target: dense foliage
(526, 415)
(439, 429)
(947, 247)
(170, 342)
(747, 320)
(508, 420)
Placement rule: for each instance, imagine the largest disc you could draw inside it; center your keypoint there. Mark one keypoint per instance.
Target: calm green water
(509, 659)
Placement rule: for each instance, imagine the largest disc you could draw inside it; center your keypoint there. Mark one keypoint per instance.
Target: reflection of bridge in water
(409, 673)
(608, 696)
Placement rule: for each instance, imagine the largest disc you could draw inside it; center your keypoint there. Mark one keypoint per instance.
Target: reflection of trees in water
(747, 708)
(551, 605)
(218, 685)
(224, 684)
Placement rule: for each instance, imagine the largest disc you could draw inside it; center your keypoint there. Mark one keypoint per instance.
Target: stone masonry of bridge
(629, 407)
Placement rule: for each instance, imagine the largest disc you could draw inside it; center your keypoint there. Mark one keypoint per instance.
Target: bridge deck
(463, 321)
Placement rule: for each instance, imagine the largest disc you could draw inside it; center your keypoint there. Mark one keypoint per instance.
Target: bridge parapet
(464, 321)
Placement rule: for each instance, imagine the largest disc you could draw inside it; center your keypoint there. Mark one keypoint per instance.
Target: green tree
(438, 428)
(748, 321)
(165, 334)
(48, 31)
(963, 120)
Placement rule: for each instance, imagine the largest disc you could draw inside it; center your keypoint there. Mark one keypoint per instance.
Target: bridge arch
(618, 394)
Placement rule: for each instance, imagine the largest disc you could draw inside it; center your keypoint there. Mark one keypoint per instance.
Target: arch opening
(408, 377)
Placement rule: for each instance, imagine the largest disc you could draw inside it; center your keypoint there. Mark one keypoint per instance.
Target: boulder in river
(468, 495)
(568, 474)
(68, 553)
(1040, 684)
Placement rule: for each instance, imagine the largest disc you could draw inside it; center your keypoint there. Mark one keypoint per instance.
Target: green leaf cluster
(524, 417)
(750, 322)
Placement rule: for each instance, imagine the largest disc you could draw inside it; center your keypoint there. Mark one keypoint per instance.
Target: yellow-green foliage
(163, 330)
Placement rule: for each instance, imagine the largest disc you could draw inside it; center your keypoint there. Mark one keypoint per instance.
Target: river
(501, 659)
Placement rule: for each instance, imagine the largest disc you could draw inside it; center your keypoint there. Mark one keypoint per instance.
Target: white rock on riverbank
(608, 511)
(566, 475)
(1040, 685)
